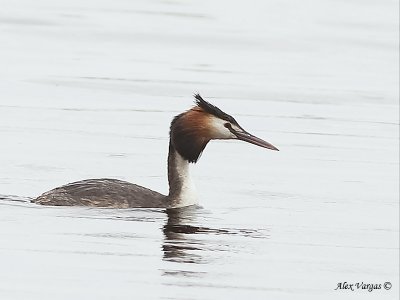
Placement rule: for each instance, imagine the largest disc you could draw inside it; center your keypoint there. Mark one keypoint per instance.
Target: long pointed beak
(247, 137)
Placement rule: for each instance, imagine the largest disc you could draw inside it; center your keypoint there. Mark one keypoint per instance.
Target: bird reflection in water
(183, 242)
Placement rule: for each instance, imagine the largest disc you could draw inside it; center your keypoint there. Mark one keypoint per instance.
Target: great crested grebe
(190, 132)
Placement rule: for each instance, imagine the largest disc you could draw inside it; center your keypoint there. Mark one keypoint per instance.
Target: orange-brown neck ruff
(190, 133)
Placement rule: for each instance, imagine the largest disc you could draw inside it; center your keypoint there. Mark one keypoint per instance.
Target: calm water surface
(88, 90)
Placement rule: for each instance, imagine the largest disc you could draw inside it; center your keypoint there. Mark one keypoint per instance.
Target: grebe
(190, 132)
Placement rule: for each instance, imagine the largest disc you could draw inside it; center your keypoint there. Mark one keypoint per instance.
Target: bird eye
(228, 125)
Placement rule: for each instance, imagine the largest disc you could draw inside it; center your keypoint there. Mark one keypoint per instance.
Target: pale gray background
(88, 89)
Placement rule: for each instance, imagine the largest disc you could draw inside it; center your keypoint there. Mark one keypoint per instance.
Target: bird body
(190, 132)
(102, 192)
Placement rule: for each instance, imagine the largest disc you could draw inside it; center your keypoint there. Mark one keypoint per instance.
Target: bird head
(192, 130)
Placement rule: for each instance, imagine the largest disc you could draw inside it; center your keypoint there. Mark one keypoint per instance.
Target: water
(88, 91)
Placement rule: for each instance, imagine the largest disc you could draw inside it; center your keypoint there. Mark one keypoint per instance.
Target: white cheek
(219, 131)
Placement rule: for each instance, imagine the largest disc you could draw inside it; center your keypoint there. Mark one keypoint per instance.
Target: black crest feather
(212, 109)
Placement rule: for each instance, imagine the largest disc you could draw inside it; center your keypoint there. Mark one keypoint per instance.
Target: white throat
(182, 191)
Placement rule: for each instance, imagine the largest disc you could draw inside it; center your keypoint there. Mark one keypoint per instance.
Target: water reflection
(178, 244)
(185, 241)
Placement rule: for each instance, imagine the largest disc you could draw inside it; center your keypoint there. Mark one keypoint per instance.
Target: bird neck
(182, 191)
